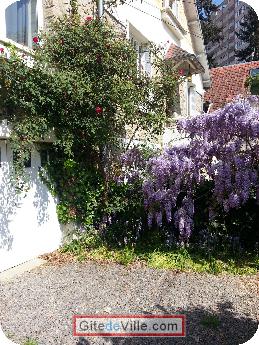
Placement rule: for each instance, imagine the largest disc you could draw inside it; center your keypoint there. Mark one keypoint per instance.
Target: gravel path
(40, 304)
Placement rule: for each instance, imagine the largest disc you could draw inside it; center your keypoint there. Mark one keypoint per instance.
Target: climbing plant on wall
(84, 87)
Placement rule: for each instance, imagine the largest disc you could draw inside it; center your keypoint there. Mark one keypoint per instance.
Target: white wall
(28, 222)
(143, 17)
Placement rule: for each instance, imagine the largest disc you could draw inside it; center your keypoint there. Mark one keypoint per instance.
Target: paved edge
(13, 272)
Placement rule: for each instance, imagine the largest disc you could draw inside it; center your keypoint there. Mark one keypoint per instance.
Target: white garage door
(28, 222)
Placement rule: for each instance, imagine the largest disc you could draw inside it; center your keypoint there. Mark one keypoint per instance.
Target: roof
(179, 55)
(228, 82)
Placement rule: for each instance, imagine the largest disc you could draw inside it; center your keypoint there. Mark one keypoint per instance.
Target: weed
(30, 342)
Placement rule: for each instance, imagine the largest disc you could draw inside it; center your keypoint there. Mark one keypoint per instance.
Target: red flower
(62, 41)
(88, 18)
(181, 71)
(99, 110)
(36, 39)
(1, 50)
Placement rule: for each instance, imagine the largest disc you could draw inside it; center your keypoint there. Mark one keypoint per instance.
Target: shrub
(219, 152)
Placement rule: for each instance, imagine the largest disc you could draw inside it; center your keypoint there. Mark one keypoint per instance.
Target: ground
(40, 304)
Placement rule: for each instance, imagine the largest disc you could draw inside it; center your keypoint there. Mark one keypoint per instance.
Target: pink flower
(1, 50)
(99, 110)
(88, 18)
(36, 39)
(181, 71)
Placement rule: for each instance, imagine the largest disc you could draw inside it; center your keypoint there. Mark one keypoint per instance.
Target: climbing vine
(84, 90)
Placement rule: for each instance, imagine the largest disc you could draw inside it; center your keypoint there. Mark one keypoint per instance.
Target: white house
(28, 222)
(174, 25)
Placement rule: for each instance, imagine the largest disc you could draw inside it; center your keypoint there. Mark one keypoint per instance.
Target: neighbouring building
(229, 82)
(29, 225)
(228, 17)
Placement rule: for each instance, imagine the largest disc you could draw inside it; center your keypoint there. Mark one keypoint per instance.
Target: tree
(249, 34)
(211, 33)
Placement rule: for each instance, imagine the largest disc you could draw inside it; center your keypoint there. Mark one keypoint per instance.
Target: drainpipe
(100, 5)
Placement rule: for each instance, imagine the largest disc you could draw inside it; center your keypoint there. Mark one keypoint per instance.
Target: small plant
(252, 82)
(211, 321)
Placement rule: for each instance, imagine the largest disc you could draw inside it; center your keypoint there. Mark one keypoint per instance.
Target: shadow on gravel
(203, 326)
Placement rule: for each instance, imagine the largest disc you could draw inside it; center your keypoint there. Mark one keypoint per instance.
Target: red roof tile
(228, 82)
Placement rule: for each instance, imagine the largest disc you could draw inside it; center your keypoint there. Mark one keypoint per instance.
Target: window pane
(22, 21)
(43, 157)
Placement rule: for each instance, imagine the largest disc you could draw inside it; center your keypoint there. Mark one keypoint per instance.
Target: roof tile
(228, 82)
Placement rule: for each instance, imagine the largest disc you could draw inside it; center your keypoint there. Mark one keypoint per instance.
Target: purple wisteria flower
(222, 147)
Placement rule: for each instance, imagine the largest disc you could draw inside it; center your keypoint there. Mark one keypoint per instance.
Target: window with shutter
(143, 56)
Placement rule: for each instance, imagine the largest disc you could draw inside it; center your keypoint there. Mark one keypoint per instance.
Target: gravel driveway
(40, 304)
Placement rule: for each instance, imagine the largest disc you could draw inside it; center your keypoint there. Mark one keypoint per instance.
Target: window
(239, 44)
(241, 10)
(44, 157)
(173, 5)
(143, 56)
(254, 72)
(22, 21)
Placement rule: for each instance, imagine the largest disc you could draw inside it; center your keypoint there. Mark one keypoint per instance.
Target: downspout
(100, 6)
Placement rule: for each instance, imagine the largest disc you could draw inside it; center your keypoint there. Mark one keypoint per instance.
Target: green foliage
(211, 33)
(253, 84)
(152, 252)
(84, 83)
(84, 89)
(78, 189)
(249, 34)
(126, 217)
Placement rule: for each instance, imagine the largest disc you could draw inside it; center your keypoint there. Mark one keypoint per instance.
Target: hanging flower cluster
(222, 147)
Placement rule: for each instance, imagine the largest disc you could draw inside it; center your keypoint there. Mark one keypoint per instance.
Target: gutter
(197, 40)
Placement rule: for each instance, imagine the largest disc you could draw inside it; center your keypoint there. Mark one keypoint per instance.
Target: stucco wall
(28, 221)
(56, 8)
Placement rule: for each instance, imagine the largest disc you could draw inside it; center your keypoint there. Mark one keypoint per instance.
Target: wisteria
(222, 147)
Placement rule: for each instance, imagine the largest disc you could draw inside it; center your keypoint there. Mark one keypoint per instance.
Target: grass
(190, 259)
